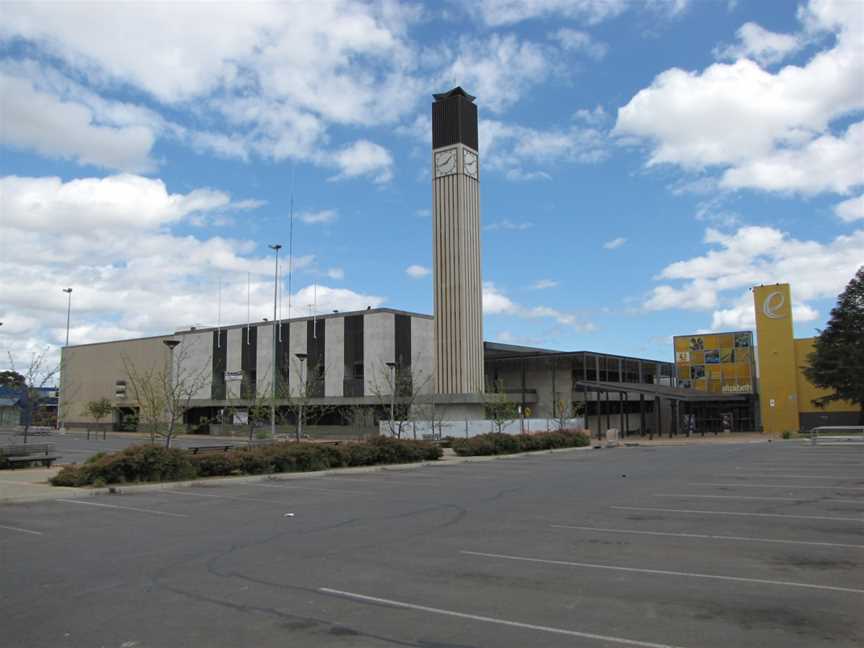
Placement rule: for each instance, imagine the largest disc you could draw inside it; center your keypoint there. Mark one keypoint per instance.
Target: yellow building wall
(778, 372)
(807, 392)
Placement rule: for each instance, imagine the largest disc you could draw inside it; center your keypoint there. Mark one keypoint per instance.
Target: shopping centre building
(350, 367)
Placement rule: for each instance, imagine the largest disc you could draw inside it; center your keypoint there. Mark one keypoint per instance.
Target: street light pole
(302, 358)
(392, 367)
(276, 249)
(171, 344)
(68, 292)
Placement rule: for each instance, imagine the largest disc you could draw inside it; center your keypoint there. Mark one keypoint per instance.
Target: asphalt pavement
(683, 546)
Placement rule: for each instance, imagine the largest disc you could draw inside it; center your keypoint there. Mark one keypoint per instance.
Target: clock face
(470, 163)
(445, 163)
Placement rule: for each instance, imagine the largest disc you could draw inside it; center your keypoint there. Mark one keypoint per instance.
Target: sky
(643, 163)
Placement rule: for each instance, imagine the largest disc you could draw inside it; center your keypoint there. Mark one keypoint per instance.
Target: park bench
(211, 448)
(27, 453)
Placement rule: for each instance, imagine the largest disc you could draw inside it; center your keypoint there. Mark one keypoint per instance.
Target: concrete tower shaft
(456, 254)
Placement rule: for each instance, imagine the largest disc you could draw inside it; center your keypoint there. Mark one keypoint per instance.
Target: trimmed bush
(215, 465)
(495, 444)
(149, 463)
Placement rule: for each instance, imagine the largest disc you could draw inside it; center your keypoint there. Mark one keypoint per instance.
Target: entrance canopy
(661, 391)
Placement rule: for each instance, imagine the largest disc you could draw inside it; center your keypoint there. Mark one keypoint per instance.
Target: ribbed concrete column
(458, 284)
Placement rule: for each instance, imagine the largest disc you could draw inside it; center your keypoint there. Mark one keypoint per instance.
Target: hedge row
(148, 463)
(495, 444)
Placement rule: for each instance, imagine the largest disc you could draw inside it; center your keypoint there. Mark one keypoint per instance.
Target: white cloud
(499, 69)
(757, 255)
(279, 74)
(495, 302)
(763, 46)
(507, 224)
(851, 210)
(314, 218)
(417, 271)
(757, 125)
(742, 316)
(615, 243)
(543, 284)
(110, 239)
(508, 12)
(323, 299)
(364, 158)
(518, 151)
(825, 164)
(39, 121)
(579, 41)
(125, 201)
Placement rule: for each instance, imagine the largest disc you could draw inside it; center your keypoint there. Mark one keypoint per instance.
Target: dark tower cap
(454, 119)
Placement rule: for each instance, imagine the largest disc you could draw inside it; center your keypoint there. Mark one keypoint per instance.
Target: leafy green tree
(98, 410)
(837, 361)
(12, 379)
(499, 408)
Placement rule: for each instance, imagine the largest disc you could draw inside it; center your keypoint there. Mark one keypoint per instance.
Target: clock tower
(456, 254)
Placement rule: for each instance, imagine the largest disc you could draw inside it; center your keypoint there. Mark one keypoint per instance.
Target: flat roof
(183, 331)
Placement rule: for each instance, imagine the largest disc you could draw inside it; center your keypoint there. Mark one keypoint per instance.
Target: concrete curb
(64, 492)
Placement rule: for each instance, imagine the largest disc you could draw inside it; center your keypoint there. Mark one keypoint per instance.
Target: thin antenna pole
(314, 310)
(219, 317)
(248, 305)
(291, 240)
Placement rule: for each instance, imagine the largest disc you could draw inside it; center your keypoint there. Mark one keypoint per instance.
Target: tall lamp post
(302, 358)
(171, 344)
(68, 292)
(276, 249)
(392, 367)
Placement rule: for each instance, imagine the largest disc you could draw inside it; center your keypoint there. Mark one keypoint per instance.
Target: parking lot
(733, 545)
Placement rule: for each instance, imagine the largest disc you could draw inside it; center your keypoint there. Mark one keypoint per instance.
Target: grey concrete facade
(264, 358)
(379, 348)
(422, 360)
(195, 354)
(297, 344)
(235, 340)
(334, 356)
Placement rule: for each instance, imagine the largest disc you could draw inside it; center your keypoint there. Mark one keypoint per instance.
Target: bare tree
(398, 390)
(299, 399)
(164, 393)
(499, 408)
(36, 376)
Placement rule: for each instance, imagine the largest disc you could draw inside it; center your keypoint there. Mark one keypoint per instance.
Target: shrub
(214, 465)
(143, 463)
(153, 463)
(495, 443)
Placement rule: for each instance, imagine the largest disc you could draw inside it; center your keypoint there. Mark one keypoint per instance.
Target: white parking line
(125, 508)
(485, 619)
(760, 473)
(802, 500)
(20, 530)
(772, 515)
(701, 536)
(798, 486)
(228, 497)
(664, 572)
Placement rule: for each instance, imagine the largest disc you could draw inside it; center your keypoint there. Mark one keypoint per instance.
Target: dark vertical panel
(402, 351)
(315, 357)
(283, 358)
(353, 354)
(249, 361)
(220, 364)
